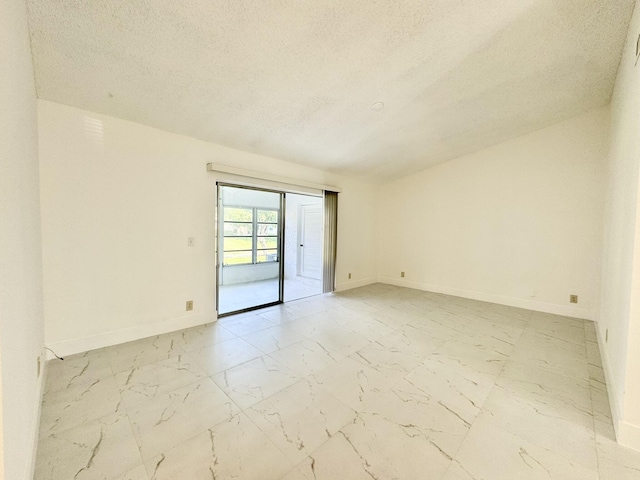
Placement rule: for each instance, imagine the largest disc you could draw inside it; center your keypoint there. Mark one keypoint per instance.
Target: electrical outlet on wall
(189, 305)
(573, 298)
(402, 274)
(349, 276)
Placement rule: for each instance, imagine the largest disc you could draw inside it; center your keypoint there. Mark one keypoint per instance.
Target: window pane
(232, 214)
(238, 243)
(267, 242)
(267, 229)
(238, 229)
(268, 216)
(267, 256)
(237, 258)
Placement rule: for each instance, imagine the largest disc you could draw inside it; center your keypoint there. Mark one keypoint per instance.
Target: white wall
(119, 201)
(21, 322)
(519, 223)
(236, 274)
(620, 302)
(358, 225)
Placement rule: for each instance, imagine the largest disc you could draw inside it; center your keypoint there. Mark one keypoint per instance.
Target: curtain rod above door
(214, 167)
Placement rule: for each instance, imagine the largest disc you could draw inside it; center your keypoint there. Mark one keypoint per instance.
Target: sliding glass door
(250, 269)
(303, 246)
(273, 247)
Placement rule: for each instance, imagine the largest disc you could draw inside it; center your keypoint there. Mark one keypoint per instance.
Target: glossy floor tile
(378, 382)
(245, 295)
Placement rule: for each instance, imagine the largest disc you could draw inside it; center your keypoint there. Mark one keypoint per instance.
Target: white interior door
(310, 241)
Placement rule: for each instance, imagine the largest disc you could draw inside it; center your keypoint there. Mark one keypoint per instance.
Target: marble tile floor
(379, 382)
(245, 295)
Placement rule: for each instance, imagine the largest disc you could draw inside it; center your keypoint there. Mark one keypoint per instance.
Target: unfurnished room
(320, 240)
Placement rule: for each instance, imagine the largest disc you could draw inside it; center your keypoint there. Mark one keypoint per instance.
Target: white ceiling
(295, 79)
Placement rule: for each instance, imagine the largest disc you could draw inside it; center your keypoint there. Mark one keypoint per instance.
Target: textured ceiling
(295, 79)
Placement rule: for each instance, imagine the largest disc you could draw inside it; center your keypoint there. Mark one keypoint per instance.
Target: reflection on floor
(245, 295)
(378, 382)
(301, 287)
(232, 298)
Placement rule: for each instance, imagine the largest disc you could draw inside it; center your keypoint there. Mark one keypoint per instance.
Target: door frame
(219, 229)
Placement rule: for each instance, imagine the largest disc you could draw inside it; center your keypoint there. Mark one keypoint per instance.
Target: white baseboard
(107, 339)
(35, 432)
(627, 434)
(348, 285)
(567, 311)
(614, 403)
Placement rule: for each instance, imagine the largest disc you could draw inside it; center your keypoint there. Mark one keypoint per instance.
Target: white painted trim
(627, 434)
(116, 337)
(575, 312)
(614, 403)
(35, 433)
(214, 167)
(341, 287)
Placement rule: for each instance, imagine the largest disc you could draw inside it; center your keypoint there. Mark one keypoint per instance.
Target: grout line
(374, 309)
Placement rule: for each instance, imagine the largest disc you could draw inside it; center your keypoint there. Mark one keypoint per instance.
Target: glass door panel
(249, 248)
